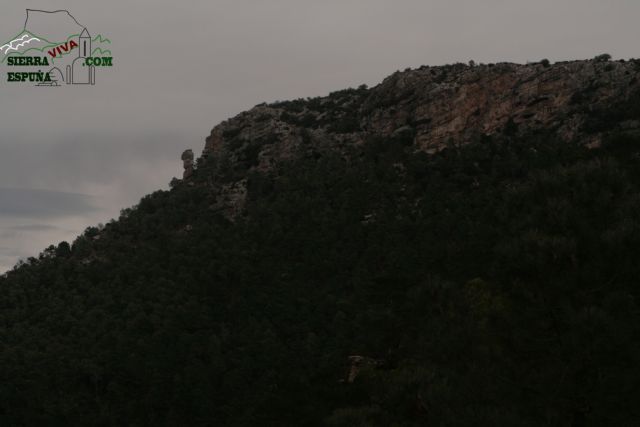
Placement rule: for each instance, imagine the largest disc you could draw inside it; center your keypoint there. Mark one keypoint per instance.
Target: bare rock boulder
(187, 159)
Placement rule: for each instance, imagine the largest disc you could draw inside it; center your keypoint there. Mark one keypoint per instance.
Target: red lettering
(63, 47)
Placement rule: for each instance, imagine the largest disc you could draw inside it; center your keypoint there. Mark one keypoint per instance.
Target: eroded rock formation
(187, 159)
(429, 108)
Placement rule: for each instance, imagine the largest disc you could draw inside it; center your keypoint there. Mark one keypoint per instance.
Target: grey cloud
(31, 203)
(11, 253)
(74, 157)
(34, 227)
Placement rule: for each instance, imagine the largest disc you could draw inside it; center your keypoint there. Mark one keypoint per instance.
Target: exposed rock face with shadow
(429, 108)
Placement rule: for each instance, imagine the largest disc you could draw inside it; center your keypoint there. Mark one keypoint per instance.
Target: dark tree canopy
(494, 284)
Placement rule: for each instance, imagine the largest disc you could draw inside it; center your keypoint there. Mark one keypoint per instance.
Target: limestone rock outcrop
(430, 109)
(188, 164)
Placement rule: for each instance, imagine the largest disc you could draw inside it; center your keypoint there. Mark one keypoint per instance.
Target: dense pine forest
(490, 284)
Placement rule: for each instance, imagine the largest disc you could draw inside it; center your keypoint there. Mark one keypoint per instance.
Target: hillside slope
(433, 108)
(456, 246)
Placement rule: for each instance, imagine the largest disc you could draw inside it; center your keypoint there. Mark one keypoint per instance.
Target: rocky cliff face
(458, 103)
(429, 108)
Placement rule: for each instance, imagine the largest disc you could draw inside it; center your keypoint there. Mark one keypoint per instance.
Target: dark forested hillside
(492, 283)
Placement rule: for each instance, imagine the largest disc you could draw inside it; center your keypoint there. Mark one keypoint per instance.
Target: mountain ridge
(320, 266)
(432, 108)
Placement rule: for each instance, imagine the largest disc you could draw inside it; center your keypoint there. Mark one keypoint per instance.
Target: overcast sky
(74, 156)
